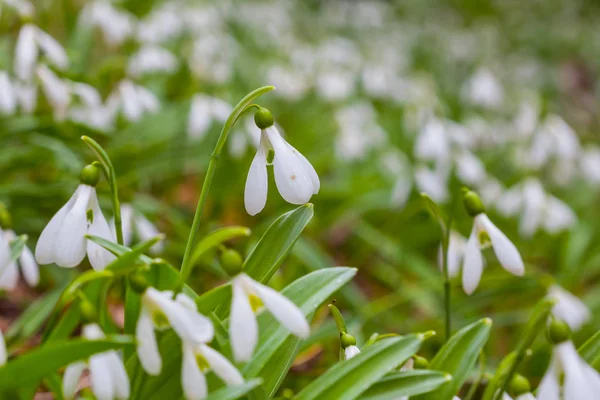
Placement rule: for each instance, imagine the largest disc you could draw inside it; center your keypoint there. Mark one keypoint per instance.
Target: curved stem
(239, 109)
(109, 170)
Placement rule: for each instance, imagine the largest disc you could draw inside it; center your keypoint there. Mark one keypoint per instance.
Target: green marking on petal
(255, 302)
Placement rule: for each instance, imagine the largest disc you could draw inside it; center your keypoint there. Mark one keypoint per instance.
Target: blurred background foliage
(508, 88)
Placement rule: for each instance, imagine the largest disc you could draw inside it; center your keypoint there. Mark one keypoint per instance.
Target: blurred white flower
(295, 177)
(116, 25)
(359, 132)
(569, 377)
(134, 100)
(589, 164)
(456, 251)
(485, 234)
(432, 142)
(63, 240)
(56, 90)
(152, 59)
(490, 191)
(29, 43)
(249, 297)
(351, 351)
(9, 276)
(483, 89)
(161, 24)
(26, 94)
(134, 222)
(568, 308)
(433, 182)
(291, 83)
(90, 110)
(23, 7)
(8, 100)
(335, 85)
(524, 396)
(203, 112)
(108, 375)
(213, 57)
(159, 311)
(469, 168)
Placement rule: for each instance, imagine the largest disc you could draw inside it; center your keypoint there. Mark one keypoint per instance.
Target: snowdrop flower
(108, 374)
(63, 240)
(136, 223)
(456, 250)
(351, 351)
(483, 89)
(134, 100)
(469, 168)
(198, 360)
(116, 25)
(485, 234)
(248, 298)
(203, 111)
(9, 276)
(159, 311)
(525, 396)
(152, 59)
(348, 343)
(26, 94)
(295, 177)
(432, 144)
(568, 308)
(589, 164)
(23, 7)
(8, 100)
(30, 41)
(433, 182)
(3, 352)
(56, 90)
(335, 85)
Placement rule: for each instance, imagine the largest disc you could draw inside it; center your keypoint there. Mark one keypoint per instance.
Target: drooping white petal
(351, 351)
(534, 198)
(147, 99)
(10, 276)
(26, 52)
(505, 250)
(29, 268)
(255, 193)
(193, 381)
(293, 180)
(26, 96)
(70, 242)
(132, 108)
(243, 329)
(576, 386)
(283, 309)
(119, 375)
(56, 90)
(99, 257)
(220, 365)
(456, 249)
(314, 178)
(4, 253)
(44, 250)
(8, 100)
(526, 396)
(71, 378)
(147, 348)
(549, 388)
(473, 263)
(146, 231)
(126, 223)
(53, 51)
(199, 117)
(103, 385)
(568, 307)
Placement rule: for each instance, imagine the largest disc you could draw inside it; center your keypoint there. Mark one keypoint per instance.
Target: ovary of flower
(108, 375)
(568, 308)
(580, 382)
(160, 311)
(63, 240)
(248, 298)
(198, 359)
(351, 351)
(295, 177)
(483, 234)
(9, 275)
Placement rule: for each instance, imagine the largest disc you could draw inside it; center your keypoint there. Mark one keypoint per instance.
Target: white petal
(473, 264)
(102, 380)
(283, 309)
(92, 332)
(132, 108)
(99, 257)
(3, 352)
(10, 277)
(126, 223)
(53, 51)
(257, 183)
(193, 381)
(146, 231)
(26, 96)
(568, 307)
(505, 250)
(29, 268)
(56, 90)
(26, 52)
(46, 245)
(293, 181)
(4, 252)
(147, 348)
(71, 378)
(119, 375)
(199, 117)
(314, 178)
(576, 385)
(147, 99)
(549, 388)
(243, 329)
(221, 365)
(69, 245)
(351, 351)
(456, 249)
(8, 100)
(534, 198)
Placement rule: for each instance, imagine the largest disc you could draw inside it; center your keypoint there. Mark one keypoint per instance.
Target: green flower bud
(138, 283)
(90, 175)
(558, 331)
(231, 261)
(5, 218)
(472, 203)
(420, 362)
(519, 385)
(347, 340)
(263, 118)
(88, 311)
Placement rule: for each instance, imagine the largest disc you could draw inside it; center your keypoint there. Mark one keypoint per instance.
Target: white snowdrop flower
(292, 84)
(432, 143)
(589, 165)
(568, 308)
(26, 52)
(335, 85)
(152, 59)
(485, 234)
(88, 94)
(295, 177)
(580, 382)
(26, 94)
(559, 216)
(510, 202)
(159, 311)
(432, 182)
(8, 100)
(564, 139)
(63, 240)
(534, 198)
(483, 89)
(204, 111)
(135, 223)
(490, 191)
(527, 117)
(469, 168)
(23, 7)
(198, 359)
(109, 378)
(52, 50)
(351, 351)
(456, 250)
(358, 132)
(524, 396)
(135, 100)
(250, 297)
(9, 276)
(3, 351)
(161, 25)
(115, 25)
(56, 90)
(212, 57)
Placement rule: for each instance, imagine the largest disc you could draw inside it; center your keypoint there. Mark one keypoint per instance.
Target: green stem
(240, 108)
(109, 170)
(447, 306)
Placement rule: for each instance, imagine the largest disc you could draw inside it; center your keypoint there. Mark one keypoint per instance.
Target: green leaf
(33, 317)
(217, 237)
(590, 350)
(434, 210)
(457, 357)
(234, 392)
(406, 383)
(349, 379)
(31, 368)
(120, 250)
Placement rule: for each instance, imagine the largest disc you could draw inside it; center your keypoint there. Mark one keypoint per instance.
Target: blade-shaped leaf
(406, 383)
(217, 237)
(234, 392)
(590, 350)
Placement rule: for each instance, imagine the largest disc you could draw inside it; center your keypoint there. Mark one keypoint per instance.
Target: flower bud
(263, 118)
(5, 218)
(347, 340)
(472, 203)
(90, 175)
(519, 385)
(231, 261)
(558, 331)
(138, 283)
(420, 362)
